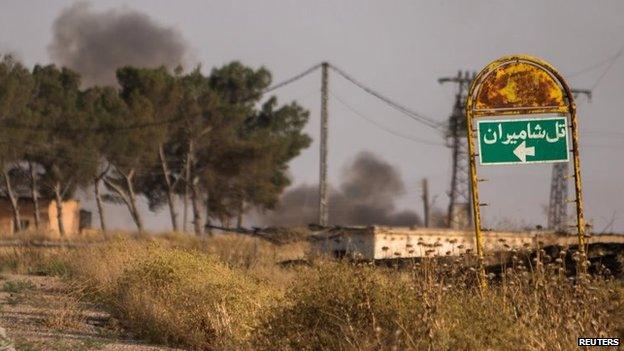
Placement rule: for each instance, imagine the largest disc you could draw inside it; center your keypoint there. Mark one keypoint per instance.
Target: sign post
(520, 110)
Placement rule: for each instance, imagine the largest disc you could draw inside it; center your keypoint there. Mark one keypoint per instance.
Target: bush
(228, 293)
(337, 306)
(38, 261)
(189, 299)
(346, 307)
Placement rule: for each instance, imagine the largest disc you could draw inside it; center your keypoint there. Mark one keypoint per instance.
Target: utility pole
(558, 202)
(425, 199)
(459, 214)
(323, 219)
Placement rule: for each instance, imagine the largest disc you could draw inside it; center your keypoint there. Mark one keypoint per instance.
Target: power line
(380, 126)
(592, 66)
(406, 111)
(292, 79)
(604, 73)
(611, 147)
(604, 134)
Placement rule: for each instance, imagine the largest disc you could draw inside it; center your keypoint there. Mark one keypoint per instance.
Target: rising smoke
(366, 196)
(95, 44)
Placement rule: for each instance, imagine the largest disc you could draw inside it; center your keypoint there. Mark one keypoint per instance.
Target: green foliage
(278, 138)
(17, 286)
(207, 134)
(268, 139)
(16, 88)
(65, 147)
(136, 149)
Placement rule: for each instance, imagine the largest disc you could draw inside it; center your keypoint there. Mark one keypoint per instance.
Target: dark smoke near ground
(366, 196)
(95, 44)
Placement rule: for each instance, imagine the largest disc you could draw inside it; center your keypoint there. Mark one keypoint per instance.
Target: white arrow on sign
(522, 151)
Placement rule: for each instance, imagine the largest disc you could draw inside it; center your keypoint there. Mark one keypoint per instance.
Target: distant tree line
(207, 140)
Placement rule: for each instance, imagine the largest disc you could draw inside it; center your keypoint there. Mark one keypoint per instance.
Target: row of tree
(208, 140)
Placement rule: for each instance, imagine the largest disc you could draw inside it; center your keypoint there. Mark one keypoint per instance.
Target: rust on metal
(518, 85)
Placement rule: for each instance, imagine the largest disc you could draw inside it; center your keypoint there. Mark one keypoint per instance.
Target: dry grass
(230, 293)
(341, 306)
(31, 260)
(68, 315)
(189, 298)
(32, 235)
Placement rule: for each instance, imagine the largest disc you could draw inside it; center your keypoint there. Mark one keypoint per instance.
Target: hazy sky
(400, 48)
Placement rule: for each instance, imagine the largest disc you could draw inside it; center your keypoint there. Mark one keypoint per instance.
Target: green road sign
(524, 140)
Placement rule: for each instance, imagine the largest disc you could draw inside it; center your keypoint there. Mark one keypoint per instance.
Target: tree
(278, 136)
(208, 132)
(162, 92)
(203, 141)
(16, 86)
(107, 113)
(202, 137)
(266, 140)
(66, 153)
(238, 89)
(132, 152)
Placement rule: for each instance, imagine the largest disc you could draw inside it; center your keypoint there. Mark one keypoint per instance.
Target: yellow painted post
(576, 159)
(476, 209)
(580, 216)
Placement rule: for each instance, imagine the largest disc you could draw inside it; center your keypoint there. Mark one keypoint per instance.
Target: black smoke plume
(95, 44)
(366, 196)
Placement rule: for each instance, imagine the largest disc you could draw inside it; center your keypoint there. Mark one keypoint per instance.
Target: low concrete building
(382, 243)
(74, 219)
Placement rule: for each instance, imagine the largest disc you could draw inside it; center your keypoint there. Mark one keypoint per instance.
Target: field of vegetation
(231, 292)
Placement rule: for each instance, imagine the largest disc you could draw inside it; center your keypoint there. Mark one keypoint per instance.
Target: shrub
(17, 286)
(228, 293)
(189, 299)
(346, 307)
(31, 260)
(337, 306)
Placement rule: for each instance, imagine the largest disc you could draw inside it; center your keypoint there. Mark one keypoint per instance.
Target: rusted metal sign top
(518, 84)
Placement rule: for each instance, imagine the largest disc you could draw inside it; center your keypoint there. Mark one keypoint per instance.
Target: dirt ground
(39, 313)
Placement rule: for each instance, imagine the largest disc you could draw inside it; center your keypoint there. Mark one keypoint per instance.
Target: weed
(17, 286)
(230, 293)
(68, 313)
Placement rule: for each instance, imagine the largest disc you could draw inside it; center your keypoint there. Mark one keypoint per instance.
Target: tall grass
(341, 306)
(189, 299)
(230, 293)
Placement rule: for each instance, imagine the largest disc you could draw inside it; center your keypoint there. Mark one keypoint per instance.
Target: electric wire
(591, 67)
(292, 79)
(608, 68)
(380, 126)
(406, 111)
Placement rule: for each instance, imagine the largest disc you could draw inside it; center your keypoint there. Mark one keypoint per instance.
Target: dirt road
(41, 313)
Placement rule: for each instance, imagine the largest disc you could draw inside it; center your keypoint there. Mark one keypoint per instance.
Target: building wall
(359, 243)
(421, 242)
(71, 217)
(388, 242)
(6, 217)
(47, 209)
(382, 243)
